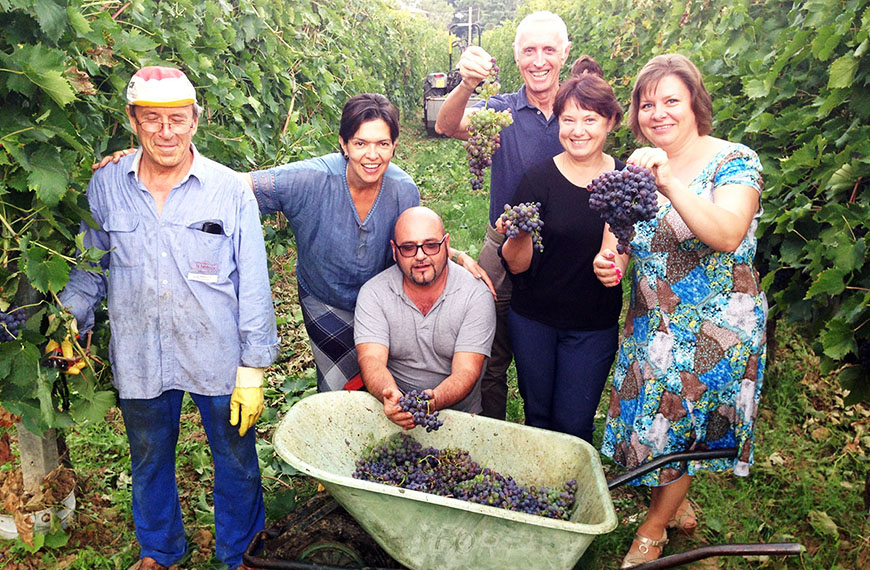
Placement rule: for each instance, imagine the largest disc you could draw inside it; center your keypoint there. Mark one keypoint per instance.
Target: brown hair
(589, 92)
(367, 107)
(584, 65)
(680, 67)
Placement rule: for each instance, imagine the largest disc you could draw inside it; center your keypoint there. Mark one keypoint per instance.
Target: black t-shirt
(560, 289)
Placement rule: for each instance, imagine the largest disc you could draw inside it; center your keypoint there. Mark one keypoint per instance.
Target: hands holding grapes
(656, 160)
(393, 410)
(474, 66)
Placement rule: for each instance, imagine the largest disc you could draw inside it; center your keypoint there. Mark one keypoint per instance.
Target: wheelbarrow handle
(724, 453)
(772, 549)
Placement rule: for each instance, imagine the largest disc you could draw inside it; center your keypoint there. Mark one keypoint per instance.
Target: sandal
(684, 519)
(643, 554)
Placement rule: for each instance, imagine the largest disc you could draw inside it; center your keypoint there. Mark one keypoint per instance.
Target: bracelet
(455, 257)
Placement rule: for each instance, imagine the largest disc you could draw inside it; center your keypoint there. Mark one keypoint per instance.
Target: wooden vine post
(39, 455)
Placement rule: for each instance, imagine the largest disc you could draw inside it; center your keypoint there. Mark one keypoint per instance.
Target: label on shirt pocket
(202, 277)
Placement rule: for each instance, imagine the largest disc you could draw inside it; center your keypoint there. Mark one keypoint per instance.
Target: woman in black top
(563, 321)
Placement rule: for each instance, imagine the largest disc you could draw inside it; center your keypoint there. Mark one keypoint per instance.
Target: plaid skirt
(330, 331)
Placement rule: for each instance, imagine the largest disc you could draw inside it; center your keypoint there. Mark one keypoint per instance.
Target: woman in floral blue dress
(690, 366)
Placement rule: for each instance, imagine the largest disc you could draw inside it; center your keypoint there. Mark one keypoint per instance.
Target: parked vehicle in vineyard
(439, 84)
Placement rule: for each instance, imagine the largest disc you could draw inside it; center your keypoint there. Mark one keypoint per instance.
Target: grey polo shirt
(422, 346)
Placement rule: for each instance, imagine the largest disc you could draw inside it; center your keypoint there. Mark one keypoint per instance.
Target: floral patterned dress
(689, 369)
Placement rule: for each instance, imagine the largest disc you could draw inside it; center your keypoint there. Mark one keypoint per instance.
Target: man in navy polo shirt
(541, 48)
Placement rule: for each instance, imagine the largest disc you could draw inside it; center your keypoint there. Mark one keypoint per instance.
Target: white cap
(156, 86)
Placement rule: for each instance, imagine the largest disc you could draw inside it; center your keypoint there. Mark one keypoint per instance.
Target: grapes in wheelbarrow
(401, 461)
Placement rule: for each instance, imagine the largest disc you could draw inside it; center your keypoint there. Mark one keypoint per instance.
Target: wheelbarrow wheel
(333, 554)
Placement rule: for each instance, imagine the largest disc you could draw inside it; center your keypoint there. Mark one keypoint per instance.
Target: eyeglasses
(176, 127)
(429, 248)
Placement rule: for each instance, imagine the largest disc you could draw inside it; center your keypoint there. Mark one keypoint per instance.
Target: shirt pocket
(126, 242)
(209, 250)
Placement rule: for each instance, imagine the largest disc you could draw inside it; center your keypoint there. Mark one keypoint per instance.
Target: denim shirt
(531, 139)
(187, 307)
(336, 251)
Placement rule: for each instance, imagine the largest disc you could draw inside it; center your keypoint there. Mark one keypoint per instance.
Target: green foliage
(272, 78)
(789, 80)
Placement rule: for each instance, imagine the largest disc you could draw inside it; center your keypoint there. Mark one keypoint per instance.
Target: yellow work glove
(65, 348)
(246, 403)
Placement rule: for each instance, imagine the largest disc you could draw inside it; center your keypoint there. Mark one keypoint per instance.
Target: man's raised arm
(452, 120)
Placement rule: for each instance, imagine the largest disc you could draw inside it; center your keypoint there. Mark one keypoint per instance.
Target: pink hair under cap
(157, 86)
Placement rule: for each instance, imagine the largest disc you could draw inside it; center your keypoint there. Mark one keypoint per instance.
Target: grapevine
(401, 461)
(624, 197)
(524, 217)
(10, 324)
(483, 130)
(418, 404)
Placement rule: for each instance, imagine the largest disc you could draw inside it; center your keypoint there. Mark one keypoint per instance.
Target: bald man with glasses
(422, 324)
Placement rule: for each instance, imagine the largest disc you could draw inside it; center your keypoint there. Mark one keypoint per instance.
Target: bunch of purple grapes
(483, 130)
(624, 197)
(525, 217)
(401, 461)
(418, 404)
(10, 324)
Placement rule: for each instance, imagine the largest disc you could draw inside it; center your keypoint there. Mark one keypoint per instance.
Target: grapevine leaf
(857, 380)
(46, 271)
(755, 89)
(842, 72)
(829, 282)
(838, 339)
(135, 43)
(51, 16)
(48, 175)
(23, 364)
(41, 67)
(92, 409)
(850, 256)
(78, 22)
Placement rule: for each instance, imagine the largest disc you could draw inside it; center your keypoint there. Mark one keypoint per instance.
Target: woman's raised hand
(114, 157)
(656, 160)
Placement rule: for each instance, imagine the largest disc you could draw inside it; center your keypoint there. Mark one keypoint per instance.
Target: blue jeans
(152, 430)
(561, 373)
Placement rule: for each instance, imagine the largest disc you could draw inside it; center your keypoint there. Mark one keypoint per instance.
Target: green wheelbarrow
(323, 436)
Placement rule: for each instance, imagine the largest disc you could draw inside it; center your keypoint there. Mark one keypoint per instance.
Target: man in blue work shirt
(191, 311)
(541, 48)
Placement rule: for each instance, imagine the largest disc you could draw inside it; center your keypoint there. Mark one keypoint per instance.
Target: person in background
(541, 48)
(191, 311)
(563, 321)
(586, 64)
(423, 324)
(690, 367)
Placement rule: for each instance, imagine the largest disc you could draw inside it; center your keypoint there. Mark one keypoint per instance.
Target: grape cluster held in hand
(418, 404)
(524, 217)
(490, 85)
(402, 461)
(624, 197)
(10, 324)
(483, 131)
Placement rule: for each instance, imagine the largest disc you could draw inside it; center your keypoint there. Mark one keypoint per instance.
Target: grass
(811, 455)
